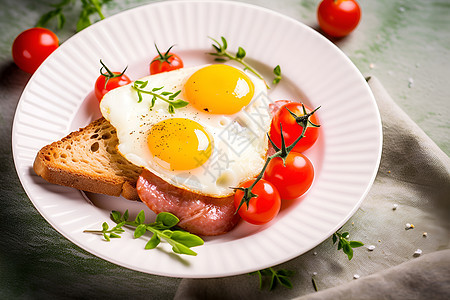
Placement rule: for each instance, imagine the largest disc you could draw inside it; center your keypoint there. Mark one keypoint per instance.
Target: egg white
(239, 140)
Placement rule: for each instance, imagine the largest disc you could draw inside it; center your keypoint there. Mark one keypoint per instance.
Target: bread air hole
(94, 147)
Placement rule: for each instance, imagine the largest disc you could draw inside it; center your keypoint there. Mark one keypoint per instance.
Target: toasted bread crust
(87, 160)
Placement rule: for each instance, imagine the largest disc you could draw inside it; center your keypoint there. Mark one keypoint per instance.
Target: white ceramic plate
(58, 99)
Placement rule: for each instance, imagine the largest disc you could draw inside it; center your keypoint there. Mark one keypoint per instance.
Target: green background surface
(405, 44)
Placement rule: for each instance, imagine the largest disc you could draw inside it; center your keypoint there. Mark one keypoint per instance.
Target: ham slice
(198, 214)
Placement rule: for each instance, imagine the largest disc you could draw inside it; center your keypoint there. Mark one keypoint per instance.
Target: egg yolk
(179, 144)
(219, 89)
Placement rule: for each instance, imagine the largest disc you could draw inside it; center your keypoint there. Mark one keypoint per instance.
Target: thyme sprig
(109, 74)
(344, 244)
(162, 229)
(282, 152)
(275, 276)
(223, 55)
(88, 8)
(157, 93)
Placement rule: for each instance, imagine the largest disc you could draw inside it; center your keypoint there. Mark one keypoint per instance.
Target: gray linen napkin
(412, 187)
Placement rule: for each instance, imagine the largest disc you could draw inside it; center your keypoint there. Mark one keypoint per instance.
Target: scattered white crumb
(371, 65)
(418, 252)
(356, 276)
(315, 253)
(401, 9)
(425, 234)
(314, 273)
(409, 226)
(410, 82)
(371, 248)
(395, 206)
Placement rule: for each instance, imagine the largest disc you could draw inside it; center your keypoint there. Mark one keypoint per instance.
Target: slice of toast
(88, 160)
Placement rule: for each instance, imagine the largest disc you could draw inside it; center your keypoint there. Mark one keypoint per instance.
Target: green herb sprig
(344, 244)
(162, 229)
(280, 277)
(168, 97)
(282, 152)
(223, 55)
(88, 8)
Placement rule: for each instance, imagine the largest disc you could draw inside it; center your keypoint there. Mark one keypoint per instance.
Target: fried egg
(209, 146)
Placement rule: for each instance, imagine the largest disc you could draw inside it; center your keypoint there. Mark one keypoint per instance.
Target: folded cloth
(423, 278)
(412, 188)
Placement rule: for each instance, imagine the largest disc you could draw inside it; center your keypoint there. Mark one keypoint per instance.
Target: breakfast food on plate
(226, 143)
(193, 142)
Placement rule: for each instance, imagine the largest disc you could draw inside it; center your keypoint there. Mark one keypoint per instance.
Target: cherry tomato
(292, 130)
(338, 18)
(109, 81)
(165, 62)
(32, 46)
(293, 178)
(262, 208)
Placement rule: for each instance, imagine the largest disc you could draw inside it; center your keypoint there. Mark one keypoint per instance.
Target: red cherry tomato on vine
(338, 18)
(165, 62)
(292, 130)
(293, 178)
(109, 81)
(32, 46)
(262, 208)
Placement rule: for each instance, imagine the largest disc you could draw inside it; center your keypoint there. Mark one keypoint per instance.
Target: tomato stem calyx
(109, 74)
(163, 57)
(281, 152)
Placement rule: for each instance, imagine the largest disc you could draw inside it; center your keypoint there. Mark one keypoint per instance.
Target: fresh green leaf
(140, 218)
(174, 95)
(171, 109)
(113, 235)
(153, 242)
(277, 73)
(224, 43)
(167, 219)
(240, 53)
(116, 216)
(277, 70)
(356, 244)
(284, 281)
(105, 226)
(140, 230)
(187, 239)
(179, 103)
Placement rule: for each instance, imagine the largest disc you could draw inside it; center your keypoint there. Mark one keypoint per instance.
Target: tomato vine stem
(282, 152)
